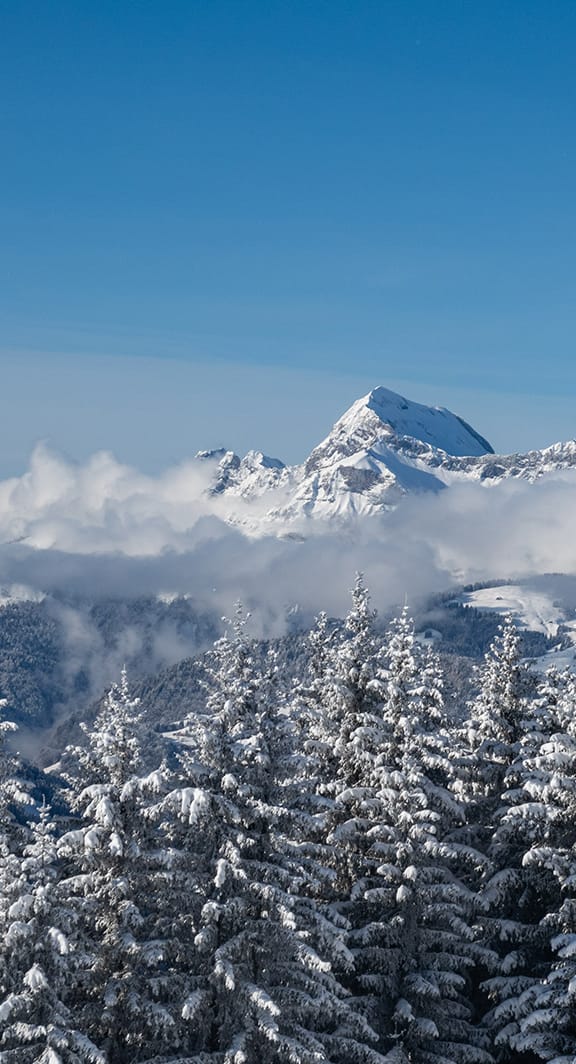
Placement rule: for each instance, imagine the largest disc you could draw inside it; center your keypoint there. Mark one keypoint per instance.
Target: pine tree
(425, 863)
(394, 826)
(508, 726)
(537, 1012)
(118, 871)
(340, 710)
(341, 715)
(264, 988)
(497, 713)
(37, 1026)
(14, 800)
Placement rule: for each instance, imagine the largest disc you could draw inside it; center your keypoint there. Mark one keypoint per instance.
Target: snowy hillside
(545, 605)
(532, 608)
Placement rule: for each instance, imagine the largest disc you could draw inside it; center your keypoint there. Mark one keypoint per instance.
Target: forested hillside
(57, 655)
(327, 861)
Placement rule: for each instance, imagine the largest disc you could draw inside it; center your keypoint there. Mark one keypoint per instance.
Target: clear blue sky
(339, 192)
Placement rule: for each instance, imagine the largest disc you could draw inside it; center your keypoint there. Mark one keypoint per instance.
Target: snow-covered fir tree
(36, 1025)
(386, 767)
(14, 801)
(264, 988)
(339, 707)
(507, 727)
(13, 791)
(424, 868)
(333, 870)
(536, 1013)
(497, 713)
(118, 879)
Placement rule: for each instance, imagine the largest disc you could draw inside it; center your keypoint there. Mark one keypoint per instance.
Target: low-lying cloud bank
(104, 529)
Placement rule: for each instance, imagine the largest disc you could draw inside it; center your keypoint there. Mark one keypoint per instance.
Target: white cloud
(103, 528)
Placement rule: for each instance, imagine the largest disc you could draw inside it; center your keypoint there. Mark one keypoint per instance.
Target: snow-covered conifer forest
(287, 655)
(327, 861)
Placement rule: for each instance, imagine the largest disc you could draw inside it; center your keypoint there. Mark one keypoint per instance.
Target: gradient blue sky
(222, 220)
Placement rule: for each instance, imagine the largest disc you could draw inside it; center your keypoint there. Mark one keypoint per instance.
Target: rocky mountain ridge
(382, 449)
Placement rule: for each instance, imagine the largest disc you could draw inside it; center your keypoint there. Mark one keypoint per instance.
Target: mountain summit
(387, 415)
(383, 448)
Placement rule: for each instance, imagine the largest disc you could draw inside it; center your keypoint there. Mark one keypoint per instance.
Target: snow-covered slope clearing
(532, 609)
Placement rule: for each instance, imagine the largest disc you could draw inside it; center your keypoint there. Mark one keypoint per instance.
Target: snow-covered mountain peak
(247, 477)
(383, 421)
(383, 448)
(397, 416)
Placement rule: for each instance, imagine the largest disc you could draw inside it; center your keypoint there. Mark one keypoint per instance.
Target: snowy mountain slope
(383, 448)
(249, 476)
(546, 604)
(383, 416)
(360, 466)
(532, 608)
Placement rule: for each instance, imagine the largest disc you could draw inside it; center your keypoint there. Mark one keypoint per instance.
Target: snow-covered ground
(535, 609)
(532, 609)
(559, 657)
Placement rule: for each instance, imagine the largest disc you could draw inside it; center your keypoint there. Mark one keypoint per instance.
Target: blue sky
(255, 209)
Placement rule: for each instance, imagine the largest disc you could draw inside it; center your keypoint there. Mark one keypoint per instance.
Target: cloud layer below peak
(103, 528)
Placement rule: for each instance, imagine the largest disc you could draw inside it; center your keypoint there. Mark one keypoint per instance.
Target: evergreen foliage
(331, 869)
(264, 989)
(38, 1028)
(118, 865)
